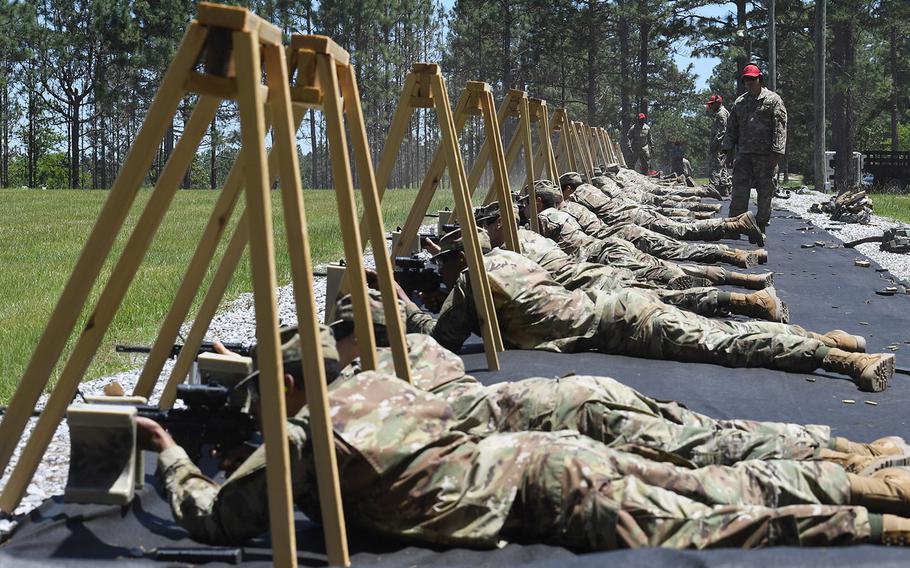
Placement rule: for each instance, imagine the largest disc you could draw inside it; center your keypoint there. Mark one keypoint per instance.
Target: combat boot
(744, 224)
(885, 494)
(841, 340)
(860, 464)
(708, 207)
(750, 281)
(889, 446)
(871, 372)
(740, 258)
(702, 215)
(895, 530)
(762, 255)
(762, 305)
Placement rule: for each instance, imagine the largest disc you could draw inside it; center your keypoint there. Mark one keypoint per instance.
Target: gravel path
(237, 323)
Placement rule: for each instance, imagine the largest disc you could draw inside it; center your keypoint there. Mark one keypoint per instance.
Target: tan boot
(762, 305)
(841, 340)
(762, 255)
(881, 495)
(889, 446)
(740, 258)
(750, 281)
(871, 372)
(895, 530)
(860, 464)
(744, 224)
(702, 215)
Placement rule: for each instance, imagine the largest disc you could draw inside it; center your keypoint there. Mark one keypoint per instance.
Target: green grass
(42, 234)
(895, 207)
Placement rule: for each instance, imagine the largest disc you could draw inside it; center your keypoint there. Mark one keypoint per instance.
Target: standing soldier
(720, 177)
(640, 141)
(758, 131)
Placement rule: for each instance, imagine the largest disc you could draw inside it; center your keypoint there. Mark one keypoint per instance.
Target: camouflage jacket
(757, 125)
(718, 128)
(564, 230)
(534, 312)
(588, 221)
(404, 470)
(567, 271)
(640, 137)
(611, 211)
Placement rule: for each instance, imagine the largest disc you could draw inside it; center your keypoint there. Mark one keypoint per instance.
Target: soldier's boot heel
(895, 530)
(871, 372)
(740, 258)
(887, 446)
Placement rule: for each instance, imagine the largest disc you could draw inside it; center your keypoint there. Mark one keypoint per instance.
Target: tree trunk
(625, 74)
(843, 128)
(895, 82)
(742, 26)
(213, 152)
(644, 32)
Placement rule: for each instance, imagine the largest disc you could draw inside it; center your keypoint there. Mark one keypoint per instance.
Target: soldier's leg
(619, 253)
(615, 414)
(765, 187)
(667, 248)
(571, 495)
(726, 182)
(742, 185)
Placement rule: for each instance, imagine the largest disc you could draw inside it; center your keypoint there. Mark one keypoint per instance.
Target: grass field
(892, 206)
(41, 236)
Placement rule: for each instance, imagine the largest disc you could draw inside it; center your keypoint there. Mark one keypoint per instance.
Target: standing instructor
(757, 131)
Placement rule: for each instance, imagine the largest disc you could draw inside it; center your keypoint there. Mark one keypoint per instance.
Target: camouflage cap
(453, 242)
(570, 178)
(600, 181)
(292, 352)
(491, 211)
(344, 310)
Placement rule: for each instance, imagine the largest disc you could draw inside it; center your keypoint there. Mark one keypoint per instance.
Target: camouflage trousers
(703, 230)
(620, 253)
(752, 170)
(719, 176)
(616, 415)
(641, 157)
(632, 323)
(575, 492)
(661, 246)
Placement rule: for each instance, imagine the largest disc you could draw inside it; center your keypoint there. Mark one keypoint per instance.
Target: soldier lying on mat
(410, 469)
(535, 312)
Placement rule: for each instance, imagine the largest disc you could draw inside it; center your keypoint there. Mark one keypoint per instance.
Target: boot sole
(884, 463)
(755, 235)
(876, 376)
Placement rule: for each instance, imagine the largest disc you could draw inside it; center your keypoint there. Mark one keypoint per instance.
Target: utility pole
(820, 24)
(772, 45)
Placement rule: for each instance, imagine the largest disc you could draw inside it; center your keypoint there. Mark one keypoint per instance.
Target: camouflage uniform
(757, 129)
(600, 408)
(638, 195)
(615, 213)
(406, 472)
(640, 142)
(536, 313)
(645, 240)
(719, 176)
(574, 275)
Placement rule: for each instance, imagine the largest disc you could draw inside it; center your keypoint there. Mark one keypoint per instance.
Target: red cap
(642, 116)
(751, 71)
(714, 99)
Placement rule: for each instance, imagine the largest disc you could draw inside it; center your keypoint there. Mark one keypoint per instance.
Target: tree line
(77, 77)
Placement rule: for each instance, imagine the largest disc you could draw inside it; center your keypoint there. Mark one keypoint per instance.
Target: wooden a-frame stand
(581, 135)
(424, 87)
(544, 156)
(569, 149)
(220, 35)
(475, 100)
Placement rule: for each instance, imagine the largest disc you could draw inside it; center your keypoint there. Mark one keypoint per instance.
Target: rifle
(892, 240)
(418, 277)
(204, 347)
(211, 419)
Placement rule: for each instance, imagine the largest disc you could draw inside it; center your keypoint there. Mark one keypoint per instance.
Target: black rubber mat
(825, 290)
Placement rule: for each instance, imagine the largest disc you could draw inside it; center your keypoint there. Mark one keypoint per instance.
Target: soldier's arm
(779, 138)
(231, 513)
(456, 321)
(731, 136)
(721, 128)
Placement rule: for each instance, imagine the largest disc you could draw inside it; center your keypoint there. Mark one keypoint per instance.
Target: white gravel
(897, 264)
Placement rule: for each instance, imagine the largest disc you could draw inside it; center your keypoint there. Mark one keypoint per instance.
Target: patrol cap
(714, 99)
(642, 116)
(453, 242)
(751, 70)
(570, 178)
(292, 353)
(539, 185)
(344, 314)
(600, 181)
(491, 212)
(547, 191)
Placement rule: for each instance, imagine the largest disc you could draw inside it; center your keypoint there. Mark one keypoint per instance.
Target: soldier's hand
(151, 436)
(729, 154)
(431, 247)
(773, 160)
(220, 349)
